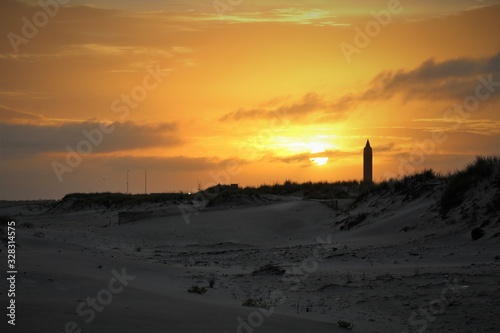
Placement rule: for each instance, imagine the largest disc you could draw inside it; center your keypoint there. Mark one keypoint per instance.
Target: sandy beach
(401, 269)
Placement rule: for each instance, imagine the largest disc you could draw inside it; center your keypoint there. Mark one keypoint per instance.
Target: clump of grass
(407, 228)
(462, 181)
(349, 277)
(256, 302)
(250, 302)
(211, 279)
(345, 324)
(197, 290)
(354, 221)
(39, 234)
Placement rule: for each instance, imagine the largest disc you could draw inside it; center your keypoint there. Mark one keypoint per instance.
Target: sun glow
(319, 161)
(317, 148)
(314, 147)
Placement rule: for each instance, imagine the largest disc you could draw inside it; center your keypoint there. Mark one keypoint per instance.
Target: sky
(167, 96)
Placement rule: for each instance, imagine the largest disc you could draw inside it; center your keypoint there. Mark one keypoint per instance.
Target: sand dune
(388, 273)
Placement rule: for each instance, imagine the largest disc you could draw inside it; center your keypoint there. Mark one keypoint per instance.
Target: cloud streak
(172, 163)
(486, 127)
(20, 140)
(15, 116)
(311, 105)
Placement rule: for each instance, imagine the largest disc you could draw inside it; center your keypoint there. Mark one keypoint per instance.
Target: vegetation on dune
(214, 195)
(353, 221)
(261, 302)
(109, 200)
(456, 184)
(411, 186)
(345, 324)
(256, 302)
(453, 189)
(309, 190)
(211, 279)
(317, 190)
(462, 181)
(197, 290)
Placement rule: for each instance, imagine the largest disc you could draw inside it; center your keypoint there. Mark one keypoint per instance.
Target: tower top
(367, 164)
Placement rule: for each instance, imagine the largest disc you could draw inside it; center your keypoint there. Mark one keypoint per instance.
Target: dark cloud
(450, 79)
(291, 159)
(174, 164)
(21, 140)
(311, 105)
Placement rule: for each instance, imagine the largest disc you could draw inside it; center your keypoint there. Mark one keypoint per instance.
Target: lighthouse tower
(367, 164)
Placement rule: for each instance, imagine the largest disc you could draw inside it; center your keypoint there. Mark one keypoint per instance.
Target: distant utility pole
(145, 181)
(127, 180)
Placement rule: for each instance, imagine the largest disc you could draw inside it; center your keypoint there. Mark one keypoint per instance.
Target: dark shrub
(197, 290)
(345, 324)
(477, 233)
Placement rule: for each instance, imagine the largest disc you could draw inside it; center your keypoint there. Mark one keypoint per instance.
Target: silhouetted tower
(367, 164)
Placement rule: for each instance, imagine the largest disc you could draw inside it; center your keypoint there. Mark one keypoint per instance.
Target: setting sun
(319, 161)
(318, 148)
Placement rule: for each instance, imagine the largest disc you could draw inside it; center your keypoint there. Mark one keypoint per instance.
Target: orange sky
(247, 96)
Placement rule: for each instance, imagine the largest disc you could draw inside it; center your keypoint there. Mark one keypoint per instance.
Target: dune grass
(410, 185)
(462, 181)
